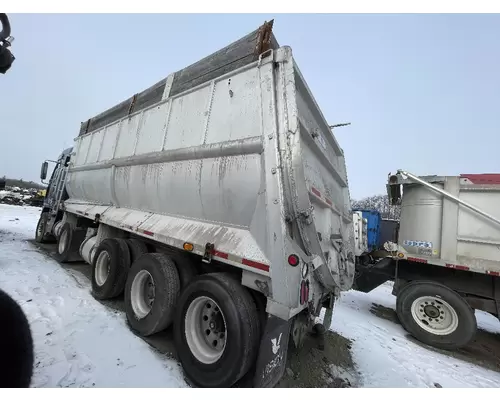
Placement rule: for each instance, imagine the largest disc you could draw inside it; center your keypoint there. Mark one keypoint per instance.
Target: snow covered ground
(81, 343)
(78, 341)
(386, 358)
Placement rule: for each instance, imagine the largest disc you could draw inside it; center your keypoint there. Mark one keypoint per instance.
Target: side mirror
(43, 172)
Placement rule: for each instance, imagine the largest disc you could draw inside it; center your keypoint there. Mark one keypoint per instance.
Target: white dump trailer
(218, 201)
(446, 262)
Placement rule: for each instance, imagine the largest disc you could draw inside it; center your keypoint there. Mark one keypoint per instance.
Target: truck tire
(68, 244)
(110, 267)
(185, 268)
(151, 293)
(216, 330)
(137, 248)
(436, 315)
(40, 235)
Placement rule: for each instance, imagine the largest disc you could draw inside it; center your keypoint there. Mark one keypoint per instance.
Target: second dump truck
(445, 256)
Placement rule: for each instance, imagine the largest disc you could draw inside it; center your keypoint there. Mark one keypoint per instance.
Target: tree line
(379, 203)
(23, 184)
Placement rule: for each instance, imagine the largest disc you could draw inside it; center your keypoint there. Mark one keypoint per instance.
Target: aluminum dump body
(451, 221)
(243, 160)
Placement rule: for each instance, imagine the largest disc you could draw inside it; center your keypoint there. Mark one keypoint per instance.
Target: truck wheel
(436, 315)
(40, 234)
(110, 267)
(151, 293)
(137, 248)
(216, 330)
(68, 244)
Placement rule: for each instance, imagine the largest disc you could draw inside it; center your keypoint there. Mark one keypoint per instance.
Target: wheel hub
(434, 315)
(431, 311)
(143, 292)
(102, 267)
(205, 329)
(150, 295)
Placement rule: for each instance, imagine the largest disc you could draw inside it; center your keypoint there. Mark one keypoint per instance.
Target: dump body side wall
(441, 229)
(197, 155)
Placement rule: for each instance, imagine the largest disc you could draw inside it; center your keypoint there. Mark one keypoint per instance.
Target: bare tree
(379, 203)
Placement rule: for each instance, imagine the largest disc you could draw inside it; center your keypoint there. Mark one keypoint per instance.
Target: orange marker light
(188, 246)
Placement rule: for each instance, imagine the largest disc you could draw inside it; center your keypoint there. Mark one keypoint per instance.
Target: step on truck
(445, 263)
(217, 201)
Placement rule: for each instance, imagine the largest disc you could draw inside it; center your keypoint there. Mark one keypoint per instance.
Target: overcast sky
(422, 91)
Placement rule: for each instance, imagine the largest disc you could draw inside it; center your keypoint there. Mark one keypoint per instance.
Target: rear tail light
(293, 260)
(304, 292)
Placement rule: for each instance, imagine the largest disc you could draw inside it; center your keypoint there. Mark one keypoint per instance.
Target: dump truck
(217, 201)
(445, 263)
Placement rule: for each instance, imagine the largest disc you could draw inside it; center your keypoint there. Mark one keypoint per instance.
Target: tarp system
(238, 54)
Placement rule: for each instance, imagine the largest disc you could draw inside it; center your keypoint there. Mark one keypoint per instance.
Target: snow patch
(386, 358)
(78, 341)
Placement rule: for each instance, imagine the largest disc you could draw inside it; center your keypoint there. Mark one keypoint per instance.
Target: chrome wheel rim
(434, 315)
(205, 328)
(102, 268)
(142, 294)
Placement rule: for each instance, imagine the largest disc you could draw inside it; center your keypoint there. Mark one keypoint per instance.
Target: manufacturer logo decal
(417, 243)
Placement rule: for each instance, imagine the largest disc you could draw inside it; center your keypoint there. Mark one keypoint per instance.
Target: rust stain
(132, 104)
(264, 37)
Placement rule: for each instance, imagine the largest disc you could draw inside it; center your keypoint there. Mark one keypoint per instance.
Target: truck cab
(55, 194)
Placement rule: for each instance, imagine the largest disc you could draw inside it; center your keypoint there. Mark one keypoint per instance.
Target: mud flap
(271, 361)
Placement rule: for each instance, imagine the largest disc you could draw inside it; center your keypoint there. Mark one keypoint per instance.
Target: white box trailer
(218, 201)
(447, 256)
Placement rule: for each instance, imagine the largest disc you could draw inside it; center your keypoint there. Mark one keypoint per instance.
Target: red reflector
(255, 264)
(420, 260)
(148, 233)
(293, 260)
(316, 191)
(220, 254)
(459, 267)
(494, 273)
